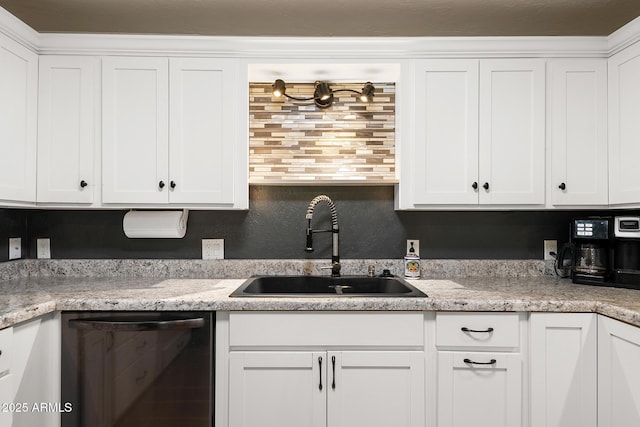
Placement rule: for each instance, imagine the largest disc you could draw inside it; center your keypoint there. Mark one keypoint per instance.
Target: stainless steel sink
(318, 286)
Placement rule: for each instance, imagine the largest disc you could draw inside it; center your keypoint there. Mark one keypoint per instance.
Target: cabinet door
(376, 389)
(445, 163)
(18, 114)
(135, 147)
(479, 395)
(624, 126)
(618, 373)
(578, 132)
(202, 137)
(35, 370)
(563, 369)
(277, 389)
(6, 397)
(66, 128)
(512, 131)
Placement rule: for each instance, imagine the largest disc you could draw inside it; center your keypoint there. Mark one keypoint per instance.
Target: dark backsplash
(274, 227)
(13, 223)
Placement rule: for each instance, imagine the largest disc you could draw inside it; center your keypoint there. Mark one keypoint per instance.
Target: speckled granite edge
(431, 268)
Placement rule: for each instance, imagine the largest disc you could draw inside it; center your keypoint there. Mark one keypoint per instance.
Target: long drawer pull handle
(333, 364)
(320, 370)
(491, 362)
(484, 331)
(135, 325)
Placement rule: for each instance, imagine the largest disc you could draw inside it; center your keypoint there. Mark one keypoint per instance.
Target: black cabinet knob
(172, 184)
(562, 186)
(485, 186)
(474, 185)
(161, 184)
(83, 183)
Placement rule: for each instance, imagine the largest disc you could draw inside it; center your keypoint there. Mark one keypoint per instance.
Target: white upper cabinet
(624, 126)
(135, 140)
(479, 136)
(202, 132)
(67, 123)
(445, 161)
(577, 129)
(18, 115)
(171, 133)
(512, 131)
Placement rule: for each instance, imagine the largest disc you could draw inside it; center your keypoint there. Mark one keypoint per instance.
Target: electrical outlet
(416, 246)
(550, 246)
(44, 248)
(15, 248)
(212, 248)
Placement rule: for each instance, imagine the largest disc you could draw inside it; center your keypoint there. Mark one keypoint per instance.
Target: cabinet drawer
(478, 330)
(346, 329)
(6, 339)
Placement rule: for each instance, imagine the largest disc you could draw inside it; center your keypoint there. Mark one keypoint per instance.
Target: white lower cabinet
(564, 369)
(35, 372)
(480, 369)
(291, 370)
(6, 398)
(277, 389)
(444, 369)
(618, 374)
(335, 388)
(479, 389)
(6, 383)
(30, 374)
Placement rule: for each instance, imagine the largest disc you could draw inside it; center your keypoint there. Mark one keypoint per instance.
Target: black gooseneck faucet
(335, 257)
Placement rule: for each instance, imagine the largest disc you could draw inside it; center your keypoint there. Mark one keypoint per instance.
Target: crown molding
(17, 30)
(623, 37)
(323, 47)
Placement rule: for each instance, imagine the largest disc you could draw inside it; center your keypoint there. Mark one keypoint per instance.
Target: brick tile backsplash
(293, 142)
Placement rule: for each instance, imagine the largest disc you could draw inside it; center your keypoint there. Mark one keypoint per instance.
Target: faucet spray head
(309, 247)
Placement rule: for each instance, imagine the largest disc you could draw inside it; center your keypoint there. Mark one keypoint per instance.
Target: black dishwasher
(134, 369)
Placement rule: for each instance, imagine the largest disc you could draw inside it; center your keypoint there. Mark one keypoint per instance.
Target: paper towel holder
(150, 224)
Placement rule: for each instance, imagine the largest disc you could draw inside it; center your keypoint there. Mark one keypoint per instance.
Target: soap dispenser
(412, 263)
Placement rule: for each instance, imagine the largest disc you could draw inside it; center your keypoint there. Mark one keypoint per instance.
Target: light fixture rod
(323, 94)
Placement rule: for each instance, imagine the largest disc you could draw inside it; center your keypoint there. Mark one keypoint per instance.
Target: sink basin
(315, 286)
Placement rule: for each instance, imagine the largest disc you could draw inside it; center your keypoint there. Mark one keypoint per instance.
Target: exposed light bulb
(278, 88)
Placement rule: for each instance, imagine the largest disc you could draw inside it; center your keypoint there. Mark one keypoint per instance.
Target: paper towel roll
(155, 224)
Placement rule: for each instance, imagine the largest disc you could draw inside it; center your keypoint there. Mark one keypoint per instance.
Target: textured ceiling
(328, 17)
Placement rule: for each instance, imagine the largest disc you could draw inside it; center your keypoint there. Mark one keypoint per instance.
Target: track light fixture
(322, 93)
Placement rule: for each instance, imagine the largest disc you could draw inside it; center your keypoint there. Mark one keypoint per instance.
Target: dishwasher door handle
(135, 325)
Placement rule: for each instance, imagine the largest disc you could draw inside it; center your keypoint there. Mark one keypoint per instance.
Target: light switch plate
(15, 248)
(212, 248)
(44, 248)
(550, 246)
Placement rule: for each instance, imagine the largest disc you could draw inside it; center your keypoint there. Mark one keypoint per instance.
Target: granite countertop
(25, 298)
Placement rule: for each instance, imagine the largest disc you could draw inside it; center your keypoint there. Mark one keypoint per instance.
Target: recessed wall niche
(292, 142)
